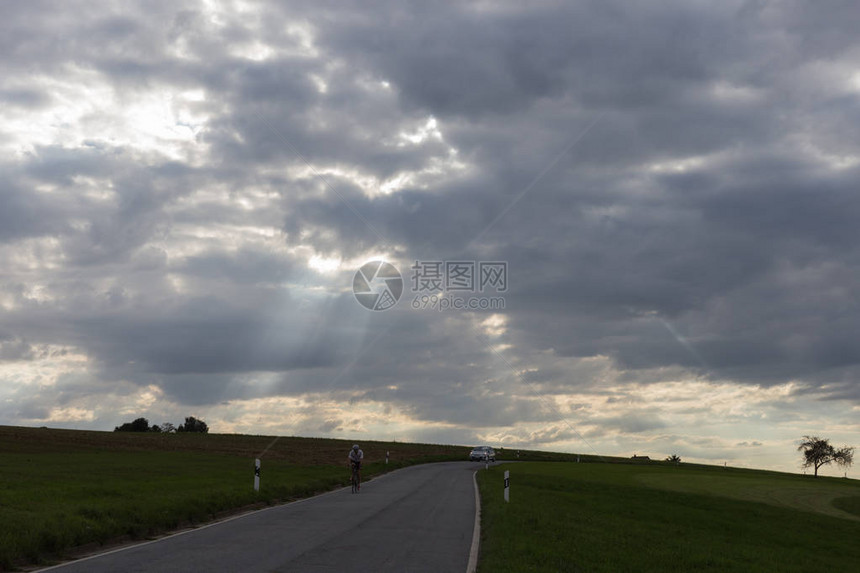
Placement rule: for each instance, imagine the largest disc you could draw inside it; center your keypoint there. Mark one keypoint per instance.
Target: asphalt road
(415, 519)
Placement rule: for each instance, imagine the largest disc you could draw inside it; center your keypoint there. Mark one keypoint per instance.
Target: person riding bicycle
(355, 458)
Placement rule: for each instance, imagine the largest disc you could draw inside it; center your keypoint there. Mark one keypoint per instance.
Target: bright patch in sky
(324, 265)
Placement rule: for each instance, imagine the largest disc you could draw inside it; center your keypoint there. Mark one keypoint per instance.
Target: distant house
(640, 458)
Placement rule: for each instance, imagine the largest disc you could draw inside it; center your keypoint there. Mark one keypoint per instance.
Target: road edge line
(476, 532)
(187, 531)
(134, 545)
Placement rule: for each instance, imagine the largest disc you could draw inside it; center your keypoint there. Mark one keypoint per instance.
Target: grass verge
(568, 517)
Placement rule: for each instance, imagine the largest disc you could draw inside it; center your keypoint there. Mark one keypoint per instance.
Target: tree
(168, 428)
(674, 458)
(139, 425)
(818, 452)
(192, 424)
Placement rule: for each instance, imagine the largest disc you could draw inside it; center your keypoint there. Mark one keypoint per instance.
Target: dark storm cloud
(706, 220)
(15, 348)
(26, 98)
(24, 215)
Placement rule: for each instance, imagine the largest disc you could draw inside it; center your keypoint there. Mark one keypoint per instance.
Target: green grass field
(614, 517)
(64, 491)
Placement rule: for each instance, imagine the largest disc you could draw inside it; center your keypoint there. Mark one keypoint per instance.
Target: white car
(481, 453)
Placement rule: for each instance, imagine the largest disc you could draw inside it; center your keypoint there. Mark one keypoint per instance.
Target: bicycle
(355, 480)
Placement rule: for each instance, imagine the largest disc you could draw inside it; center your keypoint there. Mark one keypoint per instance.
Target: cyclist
(355, 458)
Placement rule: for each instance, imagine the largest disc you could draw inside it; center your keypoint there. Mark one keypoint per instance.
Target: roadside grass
(65, 492)
(848, 504)
(799, 492)
(568, 517)
(55, 501)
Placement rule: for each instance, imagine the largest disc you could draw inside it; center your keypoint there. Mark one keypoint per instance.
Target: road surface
(416, 519)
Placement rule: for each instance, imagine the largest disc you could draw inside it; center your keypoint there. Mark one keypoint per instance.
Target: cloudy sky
(188, 190)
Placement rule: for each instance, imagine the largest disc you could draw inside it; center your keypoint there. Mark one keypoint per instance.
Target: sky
(666, 190)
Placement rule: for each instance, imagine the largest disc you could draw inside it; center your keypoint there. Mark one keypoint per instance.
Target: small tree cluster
(139, 425)
(191, 424)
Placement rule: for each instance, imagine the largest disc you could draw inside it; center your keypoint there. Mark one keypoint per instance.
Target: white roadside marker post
(507, 486)
(257, 474)
(386, 457)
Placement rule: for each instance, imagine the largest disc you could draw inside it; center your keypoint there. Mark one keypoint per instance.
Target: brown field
(294, 450)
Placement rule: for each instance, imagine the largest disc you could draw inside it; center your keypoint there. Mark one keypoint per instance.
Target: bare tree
(818, 452)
